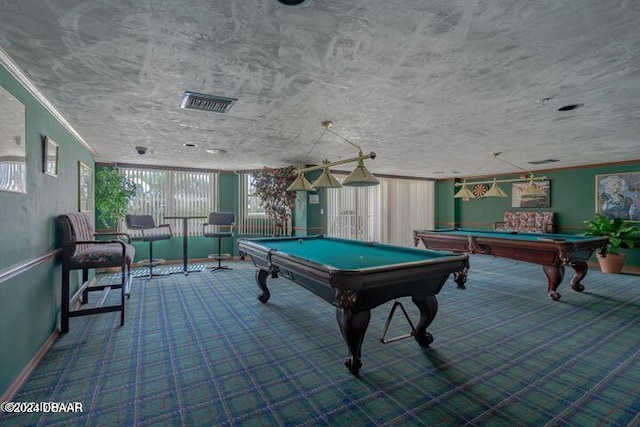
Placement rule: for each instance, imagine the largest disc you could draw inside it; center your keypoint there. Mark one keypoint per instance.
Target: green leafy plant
(113, 192)
(271, 186)
(620, 233)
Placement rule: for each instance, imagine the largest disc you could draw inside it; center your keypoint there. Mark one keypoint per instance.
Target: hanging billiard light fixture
(359, 177)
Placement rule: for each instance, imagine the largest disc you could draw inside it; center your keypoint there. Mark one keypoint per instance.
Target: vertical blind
(386, 213)
(409, 205)
(252, 219)
(354, 212)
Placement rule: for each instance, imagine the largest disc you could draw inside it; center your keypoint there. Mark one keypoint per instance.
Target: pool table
(355, 277)
(552, 251)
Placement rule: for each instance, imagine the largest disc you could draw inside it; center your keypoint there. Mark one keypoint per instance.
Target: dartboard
(479, 190)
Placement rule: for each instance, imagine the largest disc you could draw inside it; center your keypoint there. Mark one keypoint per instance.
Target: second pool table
(355, 277)
(552, 251)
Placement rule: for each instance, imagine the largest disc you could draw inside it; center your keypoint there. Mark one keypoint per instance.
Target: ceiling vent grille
(203, 102)
(541, 162)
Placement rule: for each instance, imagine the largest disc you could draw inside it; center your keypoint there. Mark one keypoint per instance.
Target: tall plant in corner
(271, 186)
(113, 193)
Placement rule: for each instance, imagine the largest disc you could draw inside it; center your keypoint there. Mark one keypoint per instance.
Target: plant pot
(612, 263)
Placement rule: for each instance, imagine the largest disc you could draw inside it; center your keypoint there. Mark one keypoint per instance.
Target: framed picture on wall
(524, 196)
(85, 188)
(50, 157)
(618, 195)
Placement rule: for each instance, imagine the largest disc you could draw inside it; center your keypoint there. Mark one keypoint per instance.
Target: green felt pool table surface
(348, 254)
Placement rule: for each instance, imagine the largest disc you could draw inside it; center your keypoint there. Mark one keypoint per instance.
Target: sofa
(527, 222)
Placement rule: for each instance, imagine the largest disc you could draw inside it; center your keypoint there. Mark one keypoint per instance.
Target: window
(172, 192)
(252, 219)
(253, 200)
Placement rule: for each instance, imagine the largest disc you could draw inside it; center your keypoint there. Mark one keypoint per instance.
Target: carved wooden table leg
(554, 277)
(261, 279)
(428, 309)
(581, 269)
(353, 327)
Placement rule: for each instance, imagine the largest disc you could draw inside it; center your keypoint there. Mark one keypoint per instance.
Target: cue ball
(300, 241)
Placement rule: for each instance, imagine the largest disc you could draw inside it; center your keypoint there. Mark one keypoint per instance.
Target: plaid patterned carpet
(201, 350)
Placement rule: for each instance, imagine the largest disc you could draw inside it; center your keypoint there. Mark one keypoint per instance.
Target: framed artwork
(618, 195)
(85, 188)
(520, 198)
(50, 160)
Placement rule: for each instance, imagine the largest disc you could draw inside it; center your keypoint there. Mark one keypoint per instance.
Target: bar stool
(221, 223)
(150, 233)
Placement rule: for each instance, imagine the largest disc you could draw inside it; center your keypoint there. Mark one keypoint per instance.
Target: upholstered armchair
(81, 251)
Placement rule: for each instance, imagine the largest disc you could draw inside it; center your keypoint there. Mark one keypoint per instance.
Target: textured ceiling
(433, 87)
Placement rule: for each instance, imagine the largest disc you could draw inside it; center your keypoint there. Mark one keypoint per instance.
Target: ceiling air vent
(541, 162)
(203, 102)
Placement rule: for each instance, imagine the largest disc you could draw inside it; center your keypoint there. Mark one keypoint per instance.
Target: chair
(80, 251)
(222, 223)
(150, 232)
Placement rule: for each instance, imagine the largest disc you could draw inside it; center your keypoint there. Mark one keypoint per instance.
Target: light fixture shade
(495, 191)
(300, 184)
(326, 180)
(464, 192)
(360, 177)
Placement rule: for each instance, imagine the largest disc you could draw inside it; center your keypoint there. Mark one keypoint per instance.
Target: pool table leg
(353, 327)
(581, 268)
(554, 277)
(261, 280)
(428, 309)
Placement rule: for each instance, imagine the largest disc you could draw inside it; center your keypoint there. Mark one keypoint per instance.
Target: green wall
(29, 301)
(573, 198)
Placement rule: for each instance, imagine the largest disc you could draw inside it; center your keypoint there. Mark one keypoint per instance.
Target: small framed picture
(530, 195)
(85, 188)
(50, 160)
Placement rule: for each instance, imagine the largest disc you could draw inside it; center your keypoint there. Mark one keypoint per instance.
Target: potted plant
(271, 186)
(113, 192)
(620, 234)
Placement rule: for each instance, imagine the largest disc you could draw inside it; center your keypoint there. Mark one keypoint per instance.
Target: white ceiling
(433, 87)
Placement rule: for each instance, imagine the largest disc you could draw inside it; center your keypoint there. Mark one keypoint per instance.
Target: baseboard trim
(12, 390)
